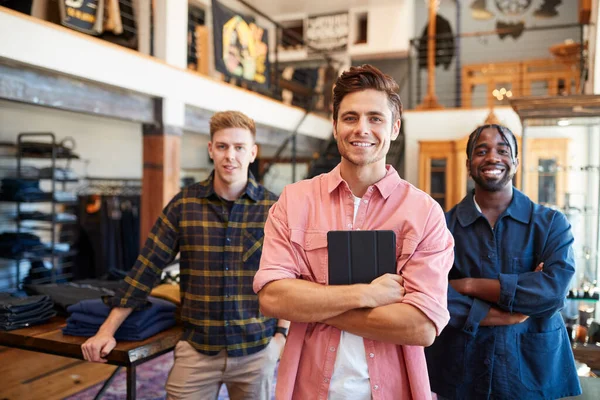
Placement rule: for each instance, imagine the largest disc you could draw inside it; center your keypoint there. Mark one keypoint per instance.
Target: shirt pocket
(311, 247)
(252, 245)
(544, 359)
(523, 263)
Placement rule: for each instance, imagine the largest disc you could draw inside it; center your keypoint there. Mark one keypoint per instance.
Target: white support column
(593, 83)
(170, 45)
(170, 31)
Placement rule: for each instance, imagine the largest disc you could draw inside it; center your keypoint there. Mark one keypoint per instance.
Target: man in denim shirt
(513, 264)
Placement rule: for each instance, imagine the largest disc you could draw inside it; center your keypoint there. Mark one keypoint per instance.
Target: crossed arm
(372, 311)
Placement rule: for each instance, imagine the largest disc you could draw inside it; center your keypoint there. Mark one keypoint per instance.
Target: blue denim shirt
(530, 360)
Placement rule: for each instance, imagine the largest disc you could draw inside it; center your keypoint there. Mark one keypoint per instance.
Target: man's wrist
(283, 331)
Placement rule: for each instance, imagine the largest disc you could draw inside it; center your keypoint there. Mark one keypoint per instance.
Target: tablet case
(360, 256)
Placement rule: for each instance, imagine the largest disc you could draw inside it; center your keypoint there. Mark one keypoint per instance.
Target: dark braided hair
(502, 130)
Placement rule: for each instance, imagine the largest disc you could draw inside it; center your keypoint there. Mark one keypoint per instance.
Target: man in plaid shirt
(217, 226)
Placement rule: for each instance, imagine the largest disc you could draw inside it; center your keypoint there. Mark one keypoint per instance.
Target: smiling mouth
(362, 144)
(492, 172)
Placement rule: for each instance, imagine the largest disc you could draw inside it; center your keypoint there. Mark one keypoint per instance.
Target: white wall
(446, 125)
(55, 48)
(112, 148)
(389, 30)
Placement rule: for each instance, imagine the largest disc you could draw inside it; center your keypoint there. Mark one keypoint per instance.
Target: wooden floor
(30, 375)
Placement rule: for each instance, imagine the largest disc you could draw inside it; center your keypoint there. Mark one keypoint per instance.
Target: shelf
(585, 300)
(35, 257)
(38, 157)
(39, 201)
(49, 179)
(45, 220)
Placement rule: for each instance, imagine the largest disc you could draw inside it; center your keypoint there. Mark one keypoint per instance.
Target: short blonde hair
(231, 119)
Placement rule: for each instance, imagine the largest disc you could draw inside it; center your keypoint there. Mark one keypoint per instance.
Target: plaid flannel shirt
(220, 254)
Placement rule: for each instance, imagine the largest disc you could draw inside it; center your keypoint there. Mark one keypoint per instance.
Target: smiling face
(492, 166)
(365, 127)
(232, 150)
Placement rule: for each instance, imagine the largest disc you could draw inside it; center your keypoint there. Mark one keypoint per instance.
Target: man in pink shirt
(358, 341)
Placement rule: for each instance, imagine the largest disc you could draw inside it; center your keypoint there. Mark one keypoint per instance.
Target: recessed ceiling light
(563, 122)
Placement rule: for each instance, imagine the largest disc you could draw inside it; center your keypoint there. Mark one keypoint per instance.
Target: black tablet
(360, 256)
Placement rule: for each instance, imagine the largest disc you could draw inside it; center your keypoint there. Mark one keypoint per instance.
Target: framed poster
(241, 46)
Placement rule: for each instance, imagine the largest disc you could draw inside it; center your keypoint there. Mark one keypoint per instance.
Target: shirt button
(365, 201)
(228, 240)
(375, 387)
(326, 380)
(490, 255)
(486, 361)
(371, 355)
(226, 268)
(370, 189)
(332, 348)
(226, 323)
(226, 294)
(349, 225)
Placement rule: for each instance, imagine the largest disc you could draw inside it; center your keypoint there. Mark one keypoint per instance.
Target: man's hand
(460, 285)
(496, 317)
(539, 268)
(387, 289)
(97, 347)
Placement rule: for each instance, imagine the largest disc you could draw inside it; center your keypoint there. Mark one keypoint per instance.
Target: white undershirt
(350, 379)
(476, 205)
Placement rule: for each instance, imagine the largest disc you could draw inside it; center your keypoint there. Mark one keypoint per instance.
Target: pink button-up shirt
(295, 246)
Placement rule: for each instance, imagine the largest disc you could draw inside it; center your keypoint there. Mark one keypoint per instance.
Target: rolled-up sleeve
(540, 294)
(466, 313)
(425, 272)
(278, 260)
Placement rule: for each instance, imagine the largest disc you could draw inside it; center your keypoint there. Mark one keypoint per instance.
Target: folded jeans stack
(23, 190)
(87, 316)
(21, 312)
(15, 244)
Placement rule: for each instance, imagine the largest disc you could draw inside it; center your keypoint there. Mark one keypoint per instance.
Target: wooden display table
(48, 338)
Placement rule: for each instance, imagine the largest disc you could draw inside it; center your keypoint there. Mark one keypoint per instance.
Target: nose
(363, 125)
(230, 153)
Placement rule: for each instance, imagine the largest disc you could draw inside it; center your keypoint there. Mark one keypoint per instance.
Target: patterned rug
(151, 378)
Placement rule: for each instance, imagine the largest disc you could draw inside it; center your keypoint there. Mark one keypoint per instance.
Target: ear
(335, 130)
(210, 150)
(253, 152)
(396, 129)
(468, 164)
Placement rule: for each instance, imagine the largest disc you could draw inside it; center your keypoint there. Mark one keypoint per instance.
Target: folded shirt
(91, 321)
(97, 308)
(75, 330)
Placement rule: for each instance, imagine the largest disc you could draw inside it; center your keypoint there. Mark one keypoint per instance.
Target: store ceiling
(574, 106)
(312, 7)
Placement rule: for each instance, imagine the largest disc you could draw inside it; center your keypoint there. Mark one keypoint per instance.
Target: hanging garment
(444, 43)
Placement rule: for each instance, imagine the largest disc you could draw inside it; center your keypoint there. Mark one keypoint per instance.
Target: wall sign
(327, 32)
(82, 15)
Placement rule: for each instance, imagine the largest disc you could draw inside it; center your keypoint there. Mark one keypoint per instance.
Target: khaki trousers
(197, 376)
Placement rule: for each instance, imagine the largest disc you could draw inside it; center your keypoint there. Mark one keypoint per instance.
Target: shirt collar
(519, 209)
(253, 189)
(386, 185)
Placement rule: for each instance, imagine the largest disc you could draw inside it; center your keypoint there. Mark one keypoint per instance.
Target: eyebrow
(370, 113)
(232, 144)
(497, 144)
